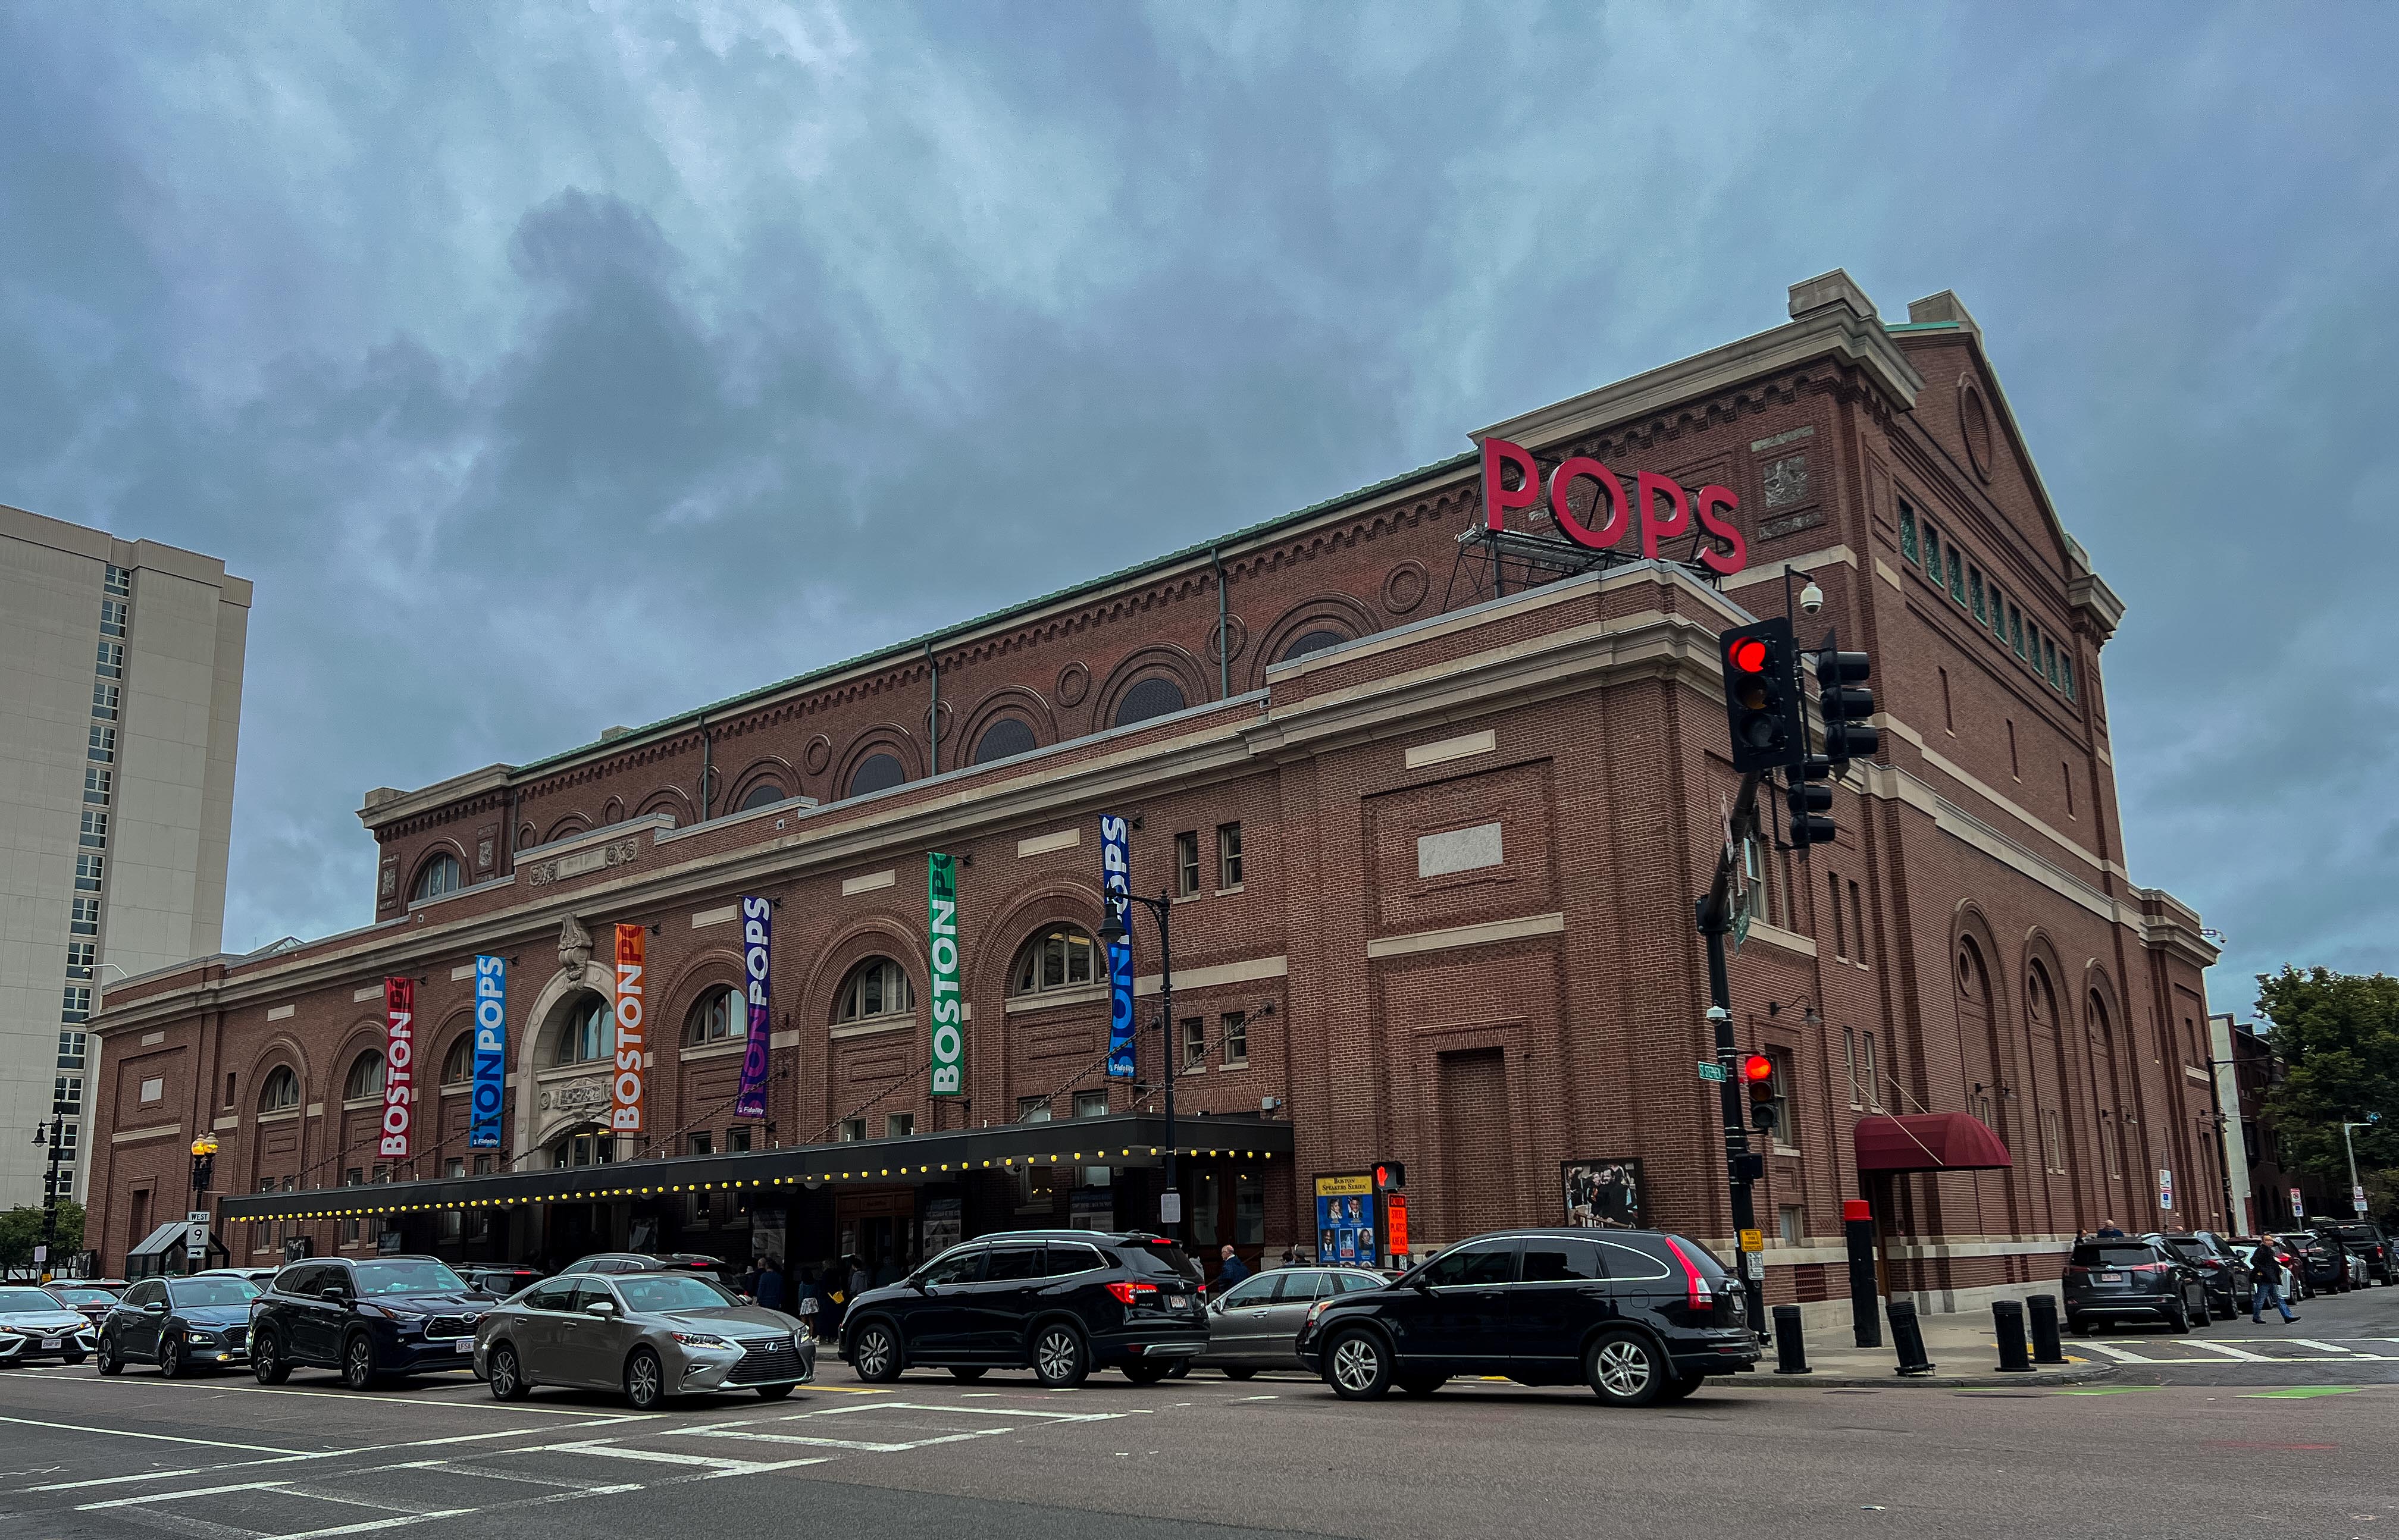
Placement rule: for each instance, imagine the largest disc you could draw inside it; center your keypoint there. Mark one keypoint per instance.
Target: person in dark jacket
(2107, 1231)
(1232, 1272)
(770, 1284)
(2268, 1269)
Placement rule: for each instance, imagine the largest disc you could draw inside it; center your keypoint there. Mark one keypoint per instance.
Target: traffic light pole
(1715, 919)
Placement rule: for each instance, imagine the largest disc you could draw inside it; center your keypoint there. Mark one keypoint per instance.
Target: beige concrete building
(120, 703)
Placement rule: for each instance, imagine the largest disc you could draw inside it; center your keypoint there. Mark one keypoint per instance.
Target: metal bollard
(1907, 1338)
(1857, 1226)
(2007, 1317)
(2047, 1347)
(1790, 1352)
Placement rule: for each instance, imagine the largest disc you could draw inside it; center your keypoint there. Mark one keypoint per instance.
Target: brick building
(1432, 812)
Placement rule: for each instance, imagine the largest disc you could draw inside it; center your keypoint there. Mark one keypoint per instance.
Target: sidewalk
(1964, 1350)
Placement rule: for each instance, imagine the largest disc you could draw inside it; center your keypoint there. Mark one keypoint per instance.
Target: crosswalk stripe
(2328, 1347)
(2118, 1354)
(2231, 1352)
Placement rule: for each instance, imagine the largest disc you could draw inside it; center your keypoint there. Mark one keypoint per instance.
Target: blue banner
(490, 1053)
(757, 934)
(1116, 877)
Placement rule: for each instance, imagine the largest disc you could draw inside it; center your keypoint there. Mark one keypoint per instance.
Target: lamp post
(55, 1137)
(1113, 931)
(204, 1161)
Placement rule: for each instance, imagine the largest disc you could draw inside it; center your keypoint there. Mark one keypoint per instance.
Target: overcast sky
(558, 366)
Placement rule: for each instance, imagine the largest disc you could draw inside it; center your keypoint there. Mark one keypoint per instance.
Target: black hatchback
(373, 1317)
(1639, 1316)
(1061, 1303)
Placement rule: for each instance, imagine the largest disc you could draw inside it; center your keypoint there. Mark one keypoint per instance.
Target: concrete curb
(2077, 1375)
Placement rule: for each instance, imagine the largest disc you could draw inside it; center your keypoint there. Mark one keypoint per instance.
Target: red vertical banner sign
(625, 1112)
(399, 1069)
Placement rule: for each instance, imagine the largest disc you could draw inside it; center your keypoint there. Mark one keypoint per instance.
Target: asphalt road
(2295, 1437)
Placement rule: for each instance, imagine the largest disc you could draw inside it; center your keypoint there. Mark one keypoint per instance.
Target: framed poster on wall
(1602, 1195)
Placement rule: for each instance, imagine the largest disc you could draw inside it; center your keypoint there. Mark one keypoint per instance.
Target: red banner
(399, 1068)
(625, 1116)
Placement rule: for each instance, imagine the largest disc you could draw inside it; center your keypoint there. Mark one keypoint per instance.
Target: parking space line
(161, 1437)
(861, 1446)
(171, 1475)
(717, 1464)
(962, 1410)
(397, 1522)
(179, 1496)
(485, 1403)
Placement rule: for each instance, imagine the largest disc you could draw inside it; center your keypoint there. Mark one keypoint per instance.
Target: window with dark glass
(282, 1090)
(112, 615)
(876, 772)
(765, 792)
(1932, 550)
(718, 1016)
(1155, 697)
(1228, 855)
(1057, 959)
(1194, 1041)
(1237, 1038)
(87, 871)
(1974, 590)
(95, 832)
(1312, 642)
(102, 745)
(1907, 530)
(1957, 576)
(365, 1077)
(1475, 1264)
(105, 699)
(1003, 739)
(458, 1064)
(876, 987)
(1187, 863)
(97, 784)
(115, 579)
(586, 1036)
(111, 663)
(441, 875)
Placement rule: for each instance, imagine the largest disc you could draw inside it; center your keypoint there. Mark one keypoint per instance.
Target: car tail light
(1134, 1293)
(1695, 1283)
(2075, 1269)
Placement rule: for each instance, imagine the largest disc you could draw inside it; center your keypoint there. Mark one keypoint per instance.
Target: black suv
(2133, 1279)
(180, 1324)
(2367, 1240)
(373, 1317)
(1060, 1302)
(2230, 1280)
(1639, 1316)
(2320, 1266)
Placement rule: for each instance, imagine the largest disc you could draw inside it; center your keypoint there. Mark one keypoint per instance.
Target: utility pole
(1741, 1167)
(2356, 1193)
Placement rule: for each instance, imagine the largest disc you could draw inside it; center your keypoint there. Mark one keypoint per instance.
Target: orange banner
(625, 1115)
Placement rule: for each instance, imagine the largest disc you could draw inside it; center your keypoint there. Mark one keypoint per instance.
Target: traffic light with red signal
(1391, 1176)
(1758, 1071)
(1762, 700)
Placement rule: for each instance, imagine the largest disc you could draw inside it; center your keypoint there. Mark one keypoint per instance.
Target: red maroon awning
(1930, 1141)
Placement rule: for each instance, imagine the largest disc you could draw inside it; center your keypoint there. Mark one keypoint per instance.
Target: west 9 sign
(1660, 504)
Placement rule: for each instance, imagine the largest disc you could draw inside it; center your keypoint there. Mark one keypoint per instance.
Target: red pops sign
(1648, 491)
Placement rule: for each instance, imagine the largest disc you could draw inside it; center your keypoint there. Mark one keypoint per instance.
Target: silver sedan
(650, 1335)
(1253, 1324)
(34, 1325)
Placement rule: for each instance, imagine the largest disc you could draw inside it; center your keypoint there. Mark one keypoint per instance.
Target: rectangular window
(113, 612)
(102, 750)
(83, 919)
(1791, 1221)
(1957, 576)
(1091, 1104)
(1858, 926)
(87, 873)
(1237, 1038)
(2049, 659)
(1974, 589)
(95, 832)
(66, 1095)
(228, 1095)
(1033, 1108)
(1840, 922)
(1781, 1082)
(97, 784)
(1932, 550)
(104, 697)
(77, 1006)
(482, 1165)
(1849, 1060)
(115, 579)
(2015, 629)
(1187, 863)
(2065, 673)
(703, 1142)
(1194, 1041)
(112, 660)
(1866, 1070)
(70, 1050)
(2114, 1150)
(155, 1088)
(2032, 642)
(736, 1141)
(1948, 714)
(81, 959)
(2066, 774)
(899, 1125)
(1907, 530)
(852, 1130)
(1228, 855)
(67, 1139)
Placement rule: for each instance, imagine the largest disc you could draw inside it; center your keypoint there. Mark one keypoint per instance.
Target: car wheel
(507, 1376)
(1624, 1369)
(2180, 1319)
(775, 1392)
(646, 1380)
(1237, 1371)
(1682, 1388)
(2203, 1317)
(874, 1358)
(1060, 1358)
(172, 1364)
(1421, 1385)
(968, 1374)
(109, 1362)
(1141, 1373)
(357, 1362)
(1358, 1366)
(267, 1361)
(1179, 1368)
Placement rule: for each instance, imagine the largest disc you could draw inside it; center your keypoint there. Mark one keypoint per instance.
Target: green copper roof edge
(918, 643)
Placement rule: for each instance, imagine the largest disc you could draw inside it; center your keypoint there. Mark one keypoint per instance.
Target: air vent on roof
(608, 733)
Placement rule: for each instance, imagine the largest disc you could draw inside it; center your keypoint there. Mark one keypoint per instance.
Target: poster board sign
(1603, 1194)
(1345, 1229)
(944, 1224)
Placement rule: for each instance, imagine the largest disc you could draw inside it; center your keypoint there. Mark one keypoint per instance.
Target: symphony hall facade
(1430, 805)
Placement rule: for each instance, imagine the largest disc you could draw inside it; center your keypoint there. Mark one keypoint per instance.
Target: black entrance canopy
(1116, 1139)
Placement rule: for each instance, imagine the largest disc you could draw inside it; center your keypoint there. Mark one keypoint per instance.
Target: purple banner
(757, 929)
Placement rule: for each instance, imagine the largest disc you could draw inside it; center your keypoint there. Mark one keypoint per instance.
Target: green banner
(942, 923)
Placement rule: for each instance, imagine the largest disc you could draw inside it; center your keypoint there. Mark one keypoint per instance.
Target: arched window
(439, 875)
(587, 1033)
(586, 1147)
(458, 1064)
(1154, 696)
(1312, 642)
(721, 1015)
(1003, 739)
(282, 1090)
(875, 987)
(760, 795)
(876, 772)
(1057, 959)
(365, 1077)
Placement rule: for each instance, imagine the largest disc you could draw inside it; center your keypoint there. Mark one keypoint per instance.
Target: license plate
(466, 1345)
(48, 1343)
(2111, 1277)
(1175, 1302)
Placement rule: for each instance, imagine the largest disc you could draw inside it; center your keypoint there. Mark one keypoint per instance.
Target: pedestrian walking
(1231, 1271)
(770, 1284)
(2268, 1270)
(1291, 1255)
(861, 1280)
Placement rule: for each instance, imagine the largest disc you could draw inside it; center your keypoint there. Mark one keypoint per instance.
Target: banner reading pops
(490, 1053)
(399, 1068)
(625, 1113)
(757, 935)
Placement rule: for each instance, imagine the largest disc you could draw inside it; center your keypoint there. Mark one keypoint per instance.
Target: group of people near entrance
(2265, 1268)
(819, 1291)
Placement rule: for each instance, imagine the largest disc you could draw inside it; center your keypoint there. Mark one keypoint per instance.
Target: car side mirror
(1421, 1283)
(601, 1307)
(333, 1296)
(156, 1307)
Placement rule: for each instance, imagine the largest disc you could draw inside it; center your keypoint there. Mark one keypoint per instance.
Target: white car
(34, 1325)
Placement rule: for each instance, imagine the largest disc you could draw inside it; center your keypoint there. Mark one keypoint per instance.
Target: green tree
(20, 1231)
(2338, 1037)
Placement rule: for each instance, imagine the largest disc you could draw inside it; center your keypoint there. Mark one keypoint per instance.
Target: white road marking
(161, 1437)
(400, 1522)
(861, 1446)
(2119, 1355)
(484, 1403)
(964, 1411)
(2328, 1347)
(179, 1496)
(2231, 1352)
(287, 1459)
(1257, 1397)
(717, 1464)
